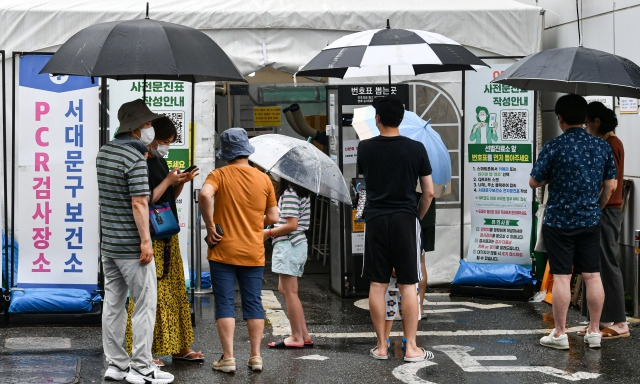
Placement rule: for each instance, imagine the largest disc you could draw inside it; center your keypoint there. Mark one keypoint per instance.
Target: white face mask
(162, 150)
(147, 135)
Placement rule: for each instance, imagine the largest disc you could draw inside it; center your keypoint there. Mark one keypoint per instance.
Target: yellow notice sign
(266, 116)
(356, 225)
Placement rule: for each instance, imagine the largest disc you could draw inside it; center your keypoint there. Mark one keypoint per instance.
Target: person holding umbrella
(125, 247)
(392, 165)
(244, 203)
(289, 256)
(574, 164)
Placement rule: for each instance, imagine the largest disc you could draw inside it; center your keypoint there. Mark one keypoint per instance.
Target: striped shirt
(122, 173)
(292, 205)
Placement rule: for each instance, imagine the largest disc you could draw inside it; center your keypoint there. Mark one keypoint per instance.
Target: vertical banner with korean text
(499, 128)
(172, 99)
(57, 138)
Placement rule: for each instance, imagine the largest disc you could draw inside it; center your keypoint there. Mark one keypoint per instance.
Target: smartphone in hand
(219, 230)
(191, 168)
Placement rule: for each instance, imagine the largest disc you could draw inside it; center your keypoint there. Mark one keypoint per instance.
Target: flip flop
(309, 343)
(189, 356)
(609, 333)
(427, 355)
(376, 356)
(282, 344)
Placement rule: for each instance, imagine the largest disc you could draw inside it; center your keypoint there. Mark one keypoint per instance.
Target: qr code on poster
(514, 125)
(178, 120)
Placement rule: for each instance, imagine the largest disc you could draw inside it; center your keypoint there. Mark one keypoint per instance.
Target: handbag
(162, 222)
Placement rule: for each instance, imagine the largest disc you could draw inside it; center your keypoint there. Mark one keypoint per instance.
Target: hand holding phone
(219, 230)
(191, 168)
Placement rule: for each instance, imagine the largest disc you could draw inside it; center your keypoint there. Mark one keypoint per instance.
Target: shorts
(223, 281)
(392, 241)
(579, 248)
(289, 259)
(428, 238)
(428, 225)
(393, 298)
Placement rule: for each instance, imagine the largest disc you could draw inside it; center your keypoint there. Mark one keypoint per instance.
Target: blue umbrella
(413, 127)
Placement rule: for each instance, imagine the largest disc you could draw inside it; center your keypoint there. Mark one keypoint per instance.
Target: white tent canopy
(283, 35)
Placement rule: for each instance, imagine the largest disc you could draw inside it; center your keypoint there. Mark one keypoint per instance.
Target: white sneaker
(151, 375)
(560, 342)
(116, 374)
(593, 339)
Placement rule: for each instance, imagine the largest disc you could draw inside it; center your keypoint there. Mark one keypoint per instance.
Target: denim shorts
(223, 281)
(289, 259)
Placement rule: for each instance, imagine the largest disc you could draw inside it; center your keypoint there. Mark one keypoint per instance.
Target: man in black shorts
(574, 164)
(392, 165)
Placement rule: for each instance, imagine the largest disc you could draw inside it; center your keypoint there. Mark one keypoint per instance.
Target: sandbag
(51, 300)
(492, 275)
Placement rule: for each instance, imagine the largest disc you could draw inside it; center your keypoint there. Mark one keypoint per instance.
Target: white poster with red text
(57, 139)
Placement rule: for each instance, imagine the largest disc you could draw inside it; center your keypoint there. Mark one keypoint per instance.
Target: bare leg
(388, 324)
(288, 286)
(376, 309)
(410, 319)
(561, 300)
(422, 285)
(595, 299)
(256, 329)
(226, 328)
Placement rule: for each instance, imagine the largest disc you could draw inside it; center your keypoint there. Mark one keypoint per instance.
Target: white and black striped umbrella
(379, 52)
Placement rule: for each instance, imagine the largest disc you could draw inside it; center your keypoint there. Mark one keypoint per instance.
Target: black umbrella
(143, 48)
(578, 70)
(379, 52)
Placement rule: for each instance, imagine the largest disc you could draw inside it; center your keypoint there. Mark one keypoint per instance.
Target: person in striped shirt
(125, 247)
(289, 256)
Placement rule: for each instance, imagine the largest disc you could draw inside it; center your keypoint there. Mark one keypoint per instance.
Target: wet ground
(474, 341)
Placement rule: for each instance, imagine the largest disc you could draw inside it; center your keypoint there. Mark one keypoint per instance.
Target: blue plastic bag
(492, 275)
(51, 300)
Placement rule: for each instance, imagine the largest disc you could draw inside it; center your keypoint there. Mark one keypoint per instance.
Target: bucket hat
(234, 142)
(133, 114)
(389, 108)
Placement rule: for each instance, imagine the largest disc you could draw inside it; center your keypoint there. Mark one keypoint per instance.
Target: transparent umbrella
(300, 162)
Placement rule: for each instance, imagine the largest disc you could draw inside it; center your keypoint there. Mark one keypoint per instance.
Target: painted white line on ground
(364, 304)
(450, 310)
(460, 355)
(39, 343)
(274, 314)
(467, 304)
(408, 373)
(479, 332)
(313, 357)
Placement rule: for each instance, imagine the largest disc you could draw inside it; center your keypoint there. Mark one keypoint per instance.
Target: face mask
(162, 150)
(147, 135)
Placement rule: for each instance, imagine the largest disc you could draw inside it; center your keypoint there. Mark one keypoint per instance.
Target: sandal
(189, 356)
(157, 361)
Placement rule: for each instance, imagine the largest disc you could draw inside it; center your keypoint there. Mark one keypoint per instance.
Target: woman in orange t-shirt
(244, 202)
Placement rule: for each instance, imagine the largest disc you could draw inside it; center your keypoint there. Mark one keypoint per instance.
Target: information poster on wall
(57, 140)
(499, 134)
(173, 99)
